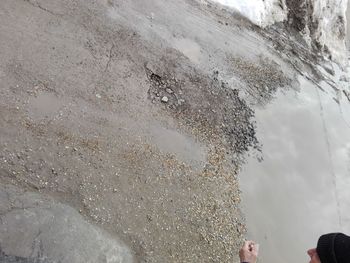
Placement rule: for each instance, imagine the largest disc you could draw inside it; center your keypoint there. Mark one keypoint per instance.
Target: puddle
(301, 189)
(184, 147)
(45, 105)
(189, 48)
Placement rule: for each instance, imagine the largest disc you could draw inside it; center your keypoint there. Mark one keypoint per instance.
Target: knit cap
(334, 248)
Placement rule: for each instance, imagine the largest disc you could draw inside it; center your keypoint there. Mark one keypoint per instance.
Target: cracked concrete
(38, 5)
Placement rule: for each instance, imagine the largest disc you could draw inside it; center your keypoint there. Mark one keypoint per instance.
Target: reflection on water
(189, 48)
(183, 146)
(44, 105)
(302, 187)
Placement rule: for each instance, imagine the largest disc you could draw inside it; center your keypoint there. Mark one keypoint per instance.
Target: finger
(311, 252)
(250, 243)
(246, 245)
(255, 248)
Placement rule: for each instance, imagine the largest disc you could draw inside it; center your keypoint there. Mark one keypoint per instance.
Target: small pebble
(165, 99)
(170, 91)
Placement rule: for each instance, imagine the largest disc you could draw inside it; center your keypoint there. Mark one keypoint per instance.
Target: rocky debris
(294, 50)
(299, 14)
(165, 89)
(205, 229)
(323, 23)
(170, 91)
(215, 107)
(262, 79)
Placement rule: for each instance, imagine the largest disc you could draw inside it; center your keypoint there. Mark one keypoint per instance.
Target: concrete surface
(82, 118)
(37, 229)
(139, 115)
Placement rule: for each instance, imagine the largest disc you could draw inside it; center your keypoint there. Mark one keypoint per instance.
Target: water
(186, 148)
(189, 48)
(44, 105)
(302, 187)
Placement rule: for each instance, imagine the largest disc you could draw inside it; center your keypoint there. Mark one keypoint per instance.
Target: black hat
(334, 248)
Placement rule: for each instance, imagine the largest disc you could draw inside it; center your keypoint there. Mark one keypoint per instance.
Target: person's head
(331, 248)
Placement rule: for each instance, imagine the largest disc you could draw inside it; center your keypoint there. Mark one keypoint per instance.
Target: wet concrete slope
(138, 115)
(37, 229)
(135, 114)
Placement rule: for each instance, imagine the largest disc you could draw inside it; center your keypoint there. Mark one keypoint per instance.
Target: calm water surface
(302, 187)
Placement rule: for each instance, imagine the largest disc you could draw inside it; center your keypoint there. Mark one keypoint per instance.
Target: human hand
(313, 256)
(249, 252)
